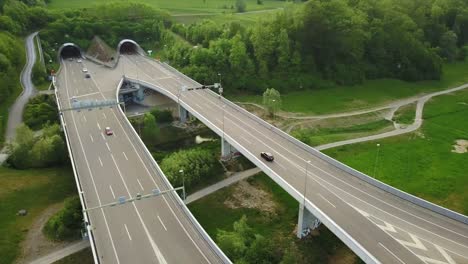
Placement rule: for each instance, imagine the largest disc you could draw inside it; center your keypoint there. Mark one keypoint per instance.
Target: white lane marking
(415, 244)
(139, 183)
(326, 200)
(361, 200)
(108, 146)
(387, 227)
(128, 233)
(99, 126)
(83, 95)
(91, 137)
(199, 106)
(91, 173)
(125, 155)
(245, 139)
(105, 117)
(156, 250)
(100, 161)
(103, 137)
(162, 223)
(84, 117)
(274, 142)
(154, 182)
(429, 260)
(112, 191)
(219, 120)
(393, 254)
(279, 164)
(444, 253)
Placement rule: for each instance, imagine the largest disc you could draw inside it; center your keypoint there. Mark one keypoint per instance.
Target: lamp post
(305, 180)
(273, 108)
(219, 74)
(183, 183)
(376, 159)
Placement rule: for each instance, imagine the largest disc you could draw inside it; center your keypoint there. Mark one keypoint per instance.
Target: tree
(67, 223)
(195, 163)
(448, 45)
(150, 129)
(272, 101)
(241, 7)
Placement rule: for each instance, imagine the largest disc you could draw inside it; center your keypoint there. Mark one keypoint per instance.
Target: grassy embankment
(405, 114)
(369, 94)
(421, 163)
(30, 190)
(278, 225)
(40, 82)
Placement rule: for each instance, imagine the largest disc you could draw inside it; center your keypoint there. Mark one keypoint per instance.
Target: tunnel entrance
(128, 48)
(69, 51)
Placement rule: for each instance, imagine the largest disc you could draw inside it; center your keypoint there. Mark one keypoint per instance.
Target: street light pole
(183, 184)
(376, 159)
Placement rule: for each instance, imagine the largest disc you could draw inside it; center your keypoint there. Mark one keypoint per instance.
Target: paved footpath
(59, 254)
(219, 185)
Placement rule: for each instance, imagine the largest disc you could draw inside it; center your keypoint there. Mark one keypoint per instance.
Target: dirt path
(36, 244)
(418, 121)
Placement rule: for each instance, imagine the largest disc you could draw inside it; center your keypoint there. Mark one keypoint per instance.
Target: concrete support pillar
(183, 114)
(226, 150)
(139, 95)
(306, 222)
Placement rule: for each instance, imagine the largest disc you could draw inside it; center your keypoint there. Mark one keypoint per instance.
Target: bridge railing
(149, 157)
(383, 186)
(75, 173)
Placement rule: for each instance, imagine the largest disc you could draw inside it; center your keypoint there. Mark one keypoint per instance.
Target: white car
(85, 70)
(79, 61)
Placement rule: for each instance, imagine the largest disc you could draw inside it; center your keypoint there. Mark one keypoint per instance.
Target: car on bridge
(108, 131)
(85, 70)
(267, 156)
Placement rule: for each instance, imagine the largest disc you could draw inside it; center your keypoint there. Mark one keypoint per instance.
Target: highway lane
(150, 231)
(385, 225)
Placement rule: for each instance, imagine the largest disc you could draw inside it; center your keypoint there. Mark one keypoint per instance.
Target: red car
(267, 156)
(108, 131)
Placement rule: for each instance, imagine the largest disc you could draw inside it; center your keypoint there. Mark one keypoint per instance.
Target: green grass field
(369, 94)
(178, 6)
(213, 215)
(405, 114)
(30, 190)
(319, 136)
(421, 163)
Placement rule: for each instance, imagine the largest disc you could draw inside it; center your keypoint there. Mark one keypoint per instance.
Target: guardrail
(174, 196)
(75, 173)
(383, 186)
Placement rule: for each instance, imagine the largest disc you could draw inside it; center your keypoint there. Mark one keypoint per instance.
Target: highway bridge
(379, 223)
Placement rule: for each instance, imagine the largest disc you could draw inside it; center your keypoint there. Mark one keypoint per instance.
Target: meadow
(371, 93)
(30, 190)
(421, 163)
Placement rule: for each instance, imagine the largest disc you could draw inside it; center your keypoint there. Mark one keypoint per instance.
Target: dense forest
(307, 46)
(344, 41)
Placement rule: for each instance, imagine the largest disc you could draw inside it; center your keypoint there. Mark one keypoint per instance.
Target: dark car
(267, 156)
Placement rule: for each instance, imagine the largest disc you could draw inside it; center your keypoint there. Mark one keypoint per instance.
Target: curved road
(16, 111)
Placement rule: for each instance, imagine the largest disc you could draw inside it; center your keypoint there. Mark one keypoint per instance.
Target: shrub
(67, 223)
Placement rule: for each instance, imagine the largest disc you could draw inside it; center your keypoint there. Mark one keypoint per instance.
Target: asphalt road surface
(154, 230)
(391, 229)
(16, 111)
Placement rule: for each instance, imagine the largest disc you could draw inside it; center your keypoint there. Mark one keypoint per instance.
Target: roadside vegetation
(261, 229)
(66, 224)
(423, 163)
(40, 110)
